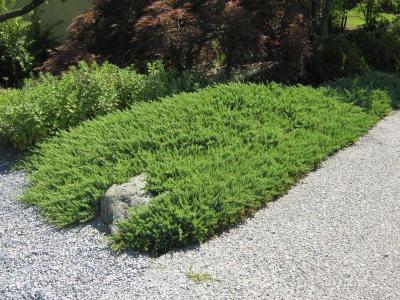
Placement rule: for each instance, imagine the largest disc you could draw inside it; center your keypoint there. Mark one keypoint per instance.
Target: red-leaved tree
(191, 34)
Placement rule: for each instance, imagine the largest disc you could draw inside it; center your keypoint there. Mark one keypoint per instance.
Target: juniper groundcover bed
(212, 157)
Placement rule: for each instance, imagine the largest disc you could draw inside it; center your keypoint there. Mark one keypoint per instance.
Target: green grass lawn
(212, 158)
(356, 19)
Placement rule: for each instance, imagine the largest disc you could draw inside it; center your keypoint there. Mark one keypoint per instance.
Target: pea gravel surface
(336, 235)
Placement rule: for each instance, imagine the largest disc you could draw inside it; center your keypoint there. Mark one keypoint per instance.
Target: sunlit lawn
(356, 18)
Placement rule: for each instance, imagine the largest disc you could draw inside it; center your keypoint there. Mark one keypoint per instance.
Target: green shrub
(381, 49)
(395, 26)
(354, 53)
(45, 106)
(211, 157)
(337, 57)
(15, 59)
(49, 104)
(162, 82)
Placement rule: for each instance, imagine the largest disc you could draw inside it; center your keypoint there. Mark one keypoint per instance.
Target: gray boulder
(119, 198)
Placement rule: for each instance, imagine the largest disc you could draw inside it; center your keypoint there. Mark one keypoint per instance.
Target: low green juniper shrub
(212, 157)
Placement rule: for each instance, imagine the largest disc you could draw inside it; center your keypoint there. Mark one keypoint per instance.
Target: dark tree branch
(21, 11)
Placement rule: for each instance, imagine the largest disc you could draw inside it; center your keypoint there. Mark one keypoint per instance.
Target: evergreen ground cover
(212, 157)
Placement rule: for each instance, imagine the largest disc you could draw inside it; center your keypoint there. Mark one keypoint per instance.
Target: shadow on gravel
(8, 158)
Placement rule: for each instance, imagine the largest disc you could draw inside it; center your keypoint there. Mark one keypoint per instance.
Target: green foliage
(395, 25)
(375, 11)
(162, 82)
(43, 107)
(355, 14)
(353, 53)
(390, 6)
(24, 45)
(380, 49)
(337, 57)
(15, 59)
(370, 10)
(212, 158)
(362, 90)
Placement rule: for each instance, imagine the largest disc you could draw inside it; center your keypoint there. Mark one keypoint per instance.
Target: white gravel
(336, 235)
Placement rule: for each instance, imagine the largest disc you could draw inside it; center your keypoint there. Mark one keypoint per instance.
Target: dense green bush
(381, 49)
(337, 57)
(161, 82)
(45, 106)
(394, 26)
(211, 157)
(15, 59)
(355, 52)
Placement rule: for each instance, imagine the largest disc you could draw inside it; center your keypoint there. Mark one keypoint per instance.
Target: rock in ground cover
(118, 199)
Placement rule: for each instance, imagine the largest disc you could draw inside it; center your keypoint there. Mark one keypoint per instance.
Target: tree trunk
(326, 14)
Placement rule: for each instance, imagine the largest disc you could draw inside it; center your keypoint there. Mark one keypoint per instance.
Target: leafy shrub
(161, 82)
(380, 49)
(337, 57)
(45, 106)
(212, 158)
(395, 26)
(15, 59)
(355, 52)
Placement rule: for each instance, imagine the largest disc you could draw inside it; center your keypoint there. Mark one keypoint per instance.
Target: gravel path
(336, 235)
